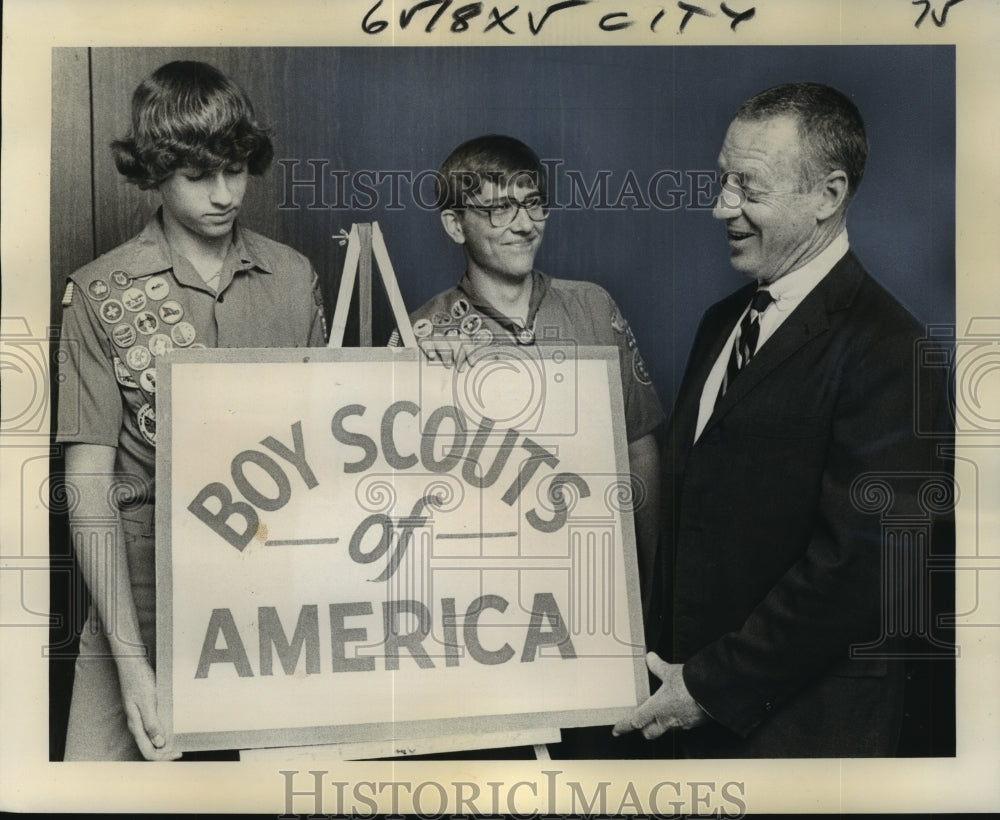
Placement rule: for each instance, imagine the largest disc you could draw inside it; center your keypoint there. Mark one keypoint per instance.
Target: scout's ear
(452, 222)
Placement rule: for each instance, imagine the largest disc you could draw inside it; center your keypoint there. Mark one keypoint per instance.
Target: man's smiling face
(766, 201)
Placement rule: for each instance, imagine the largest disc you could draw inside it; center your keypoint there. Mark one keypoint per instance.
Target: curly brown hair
(189, 114)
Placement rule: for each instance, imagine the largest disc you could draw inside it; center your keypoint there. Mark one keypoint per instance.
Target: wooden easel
(364, 241)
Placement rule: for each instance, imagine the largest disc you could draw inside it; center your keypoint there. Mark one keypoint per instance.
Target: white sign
(359, 545)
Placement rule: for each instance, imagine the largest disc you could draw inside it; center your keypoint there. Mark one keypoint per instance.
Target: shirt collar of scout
(523, 334)
(152, 253)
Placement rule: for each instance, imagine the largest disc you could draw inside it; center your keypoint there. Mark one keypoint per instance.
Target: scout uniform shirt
(560, 310)
(139, 301)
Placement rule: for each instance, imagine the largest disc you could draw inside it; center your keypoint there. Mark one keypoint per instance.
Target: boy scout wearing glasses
(492, 191)
(191, 278)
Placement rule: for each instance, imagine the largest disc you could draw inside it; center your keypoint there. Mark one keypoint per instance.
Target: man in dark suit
(798, 387)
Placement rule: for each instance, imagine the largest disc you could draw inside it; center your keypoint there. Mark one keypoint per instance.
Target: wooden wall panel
(71, 225)
(71, 231)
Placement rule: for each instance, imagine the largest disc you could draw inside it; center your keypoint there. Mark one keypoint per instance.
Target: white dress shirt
(788, 292)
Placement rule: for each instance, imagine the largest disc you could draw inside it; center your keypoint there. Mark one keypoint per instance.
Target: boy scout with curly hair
(192, 278)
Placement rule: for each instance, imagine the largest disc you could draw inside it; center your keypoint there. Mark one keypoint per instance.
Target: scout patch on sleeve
(639, 368)
(146, 420)
(621, 326)
(67, 299)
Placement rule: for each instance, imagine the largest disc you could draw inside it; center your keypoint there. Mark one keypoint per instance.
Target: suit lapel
(810, 319)
(712, 336)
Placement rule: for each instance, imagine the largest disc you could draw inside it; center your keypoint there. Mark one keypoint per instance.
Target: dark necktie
(745, 343)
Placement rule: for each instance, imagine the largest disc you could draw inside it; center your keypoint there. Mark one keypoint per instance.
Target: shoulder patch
(145, 420)
(67, 299)
(639, 369)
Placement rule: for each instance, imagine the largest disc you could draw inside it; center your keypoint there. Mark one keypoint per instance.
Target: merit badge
(147, 379)
(138, 357)
(451, 333)
(525, 336)
(123, 375)
(459, 308)
(484, 336)
(471, 324)
(639, 368)
(123, 335)
(134, 299)
(146, 322)
(441, 319)
(182, 333)
(98, 290)
(112, 311)
(146, 419)
(157, 287)
(160, 343)
(197, 346)
(422, 328)
(120, 279)
(171, 312)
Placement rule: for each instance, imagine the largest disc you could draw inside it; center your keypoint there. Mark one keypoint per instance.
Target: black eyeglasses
(504, 212)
